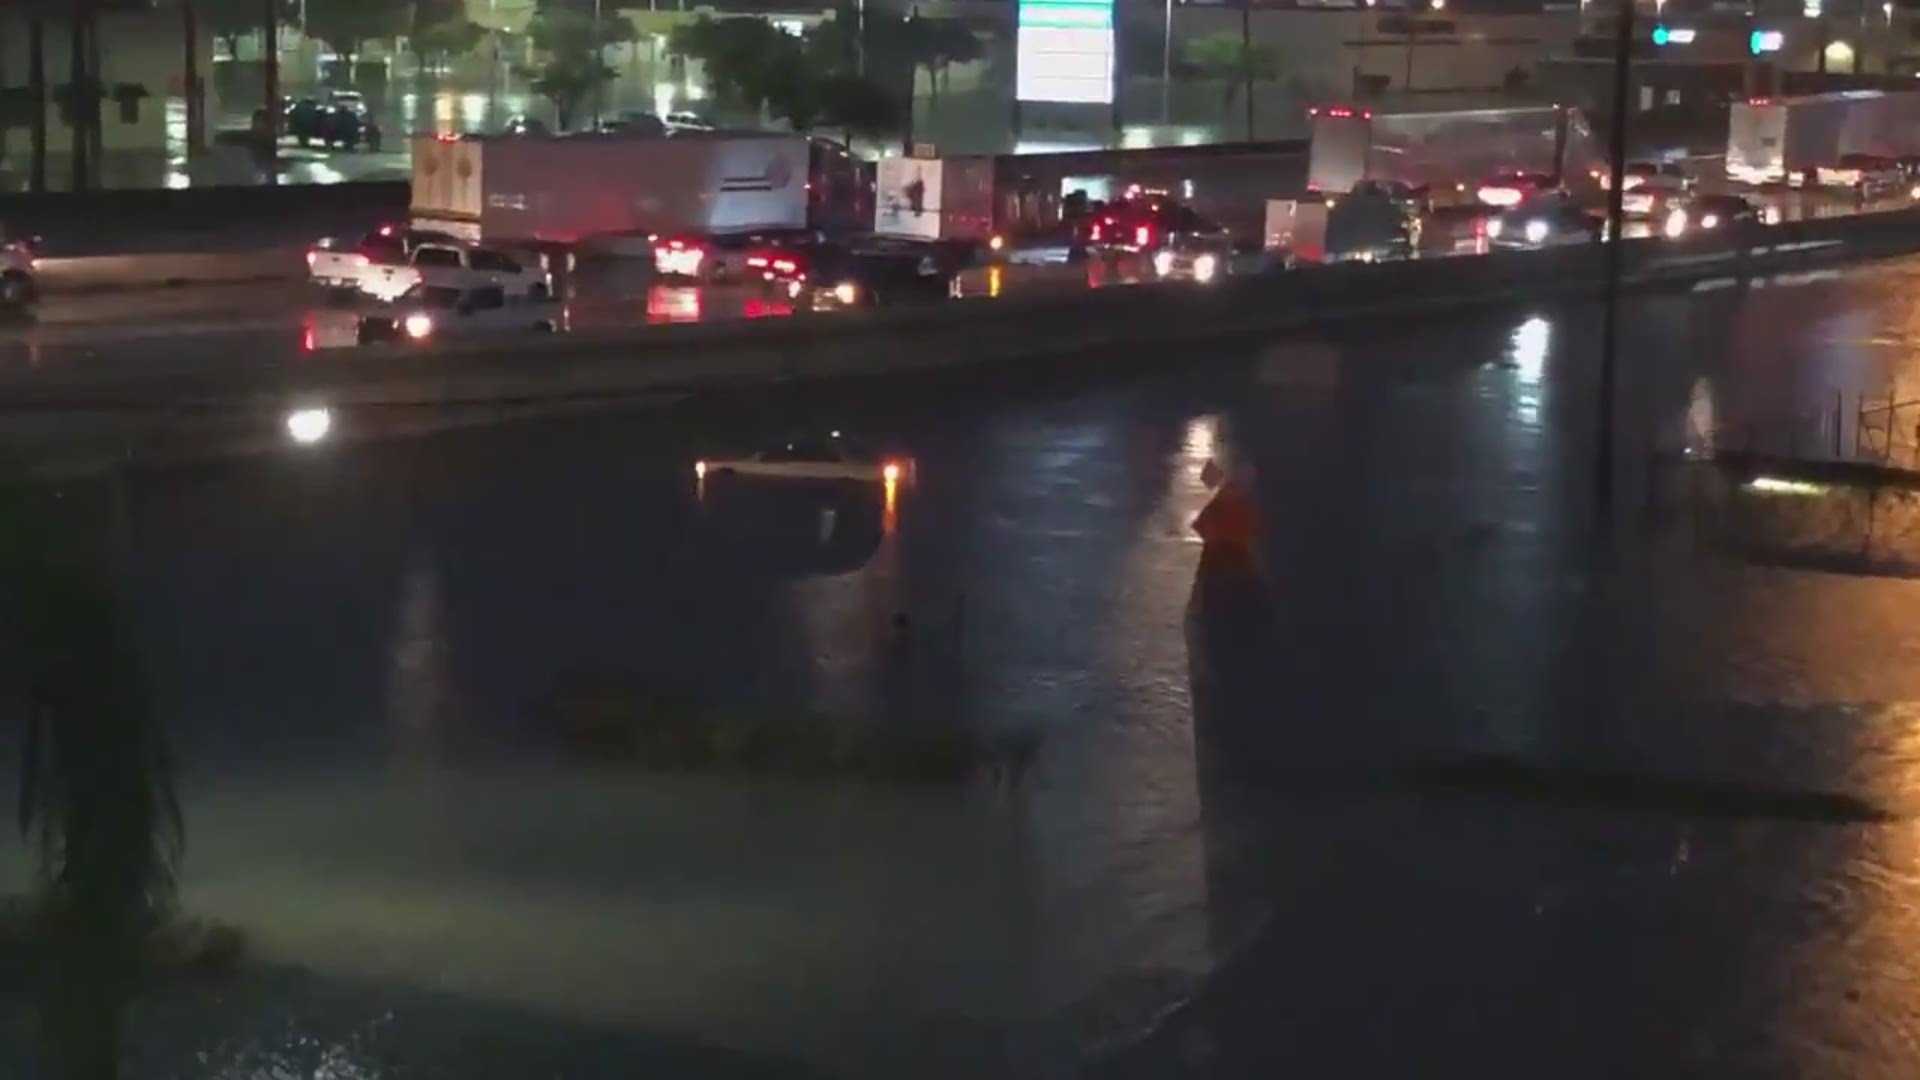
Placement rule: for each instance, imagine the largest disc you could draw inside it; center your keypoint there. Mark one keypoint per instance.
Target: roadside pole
(270, 37)
(1610, 331)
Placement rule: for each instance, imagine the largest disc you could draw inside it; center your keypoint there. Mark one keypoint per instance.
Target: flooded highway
(1457, 787)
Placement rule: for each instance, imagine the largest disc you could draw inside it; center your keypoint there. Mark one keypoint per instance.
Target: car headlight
(1163, 263)
(1494, 225)
(418, 325)
(846, 292)
(1536, 231)
(1204, 268)
(1676, 224)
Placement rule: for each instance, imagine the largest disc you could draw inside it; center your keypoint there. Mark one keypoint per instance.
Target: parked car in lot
(341, 121)
(430, 313)
(1543, 223)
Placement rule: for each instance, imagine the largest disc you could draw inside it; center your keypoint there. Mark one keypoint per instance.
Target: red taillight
(1142, 235)
(757, 260)
(386, 230)
(785, 266)
(1095, 234)
(312, 257)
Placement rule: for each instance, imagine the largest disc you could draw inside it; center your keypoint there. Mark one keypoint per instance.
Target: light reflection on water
(880, 929)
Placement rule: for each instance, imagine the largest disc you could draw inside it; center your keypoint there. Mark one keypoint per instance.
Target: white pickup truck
(341, 265)
(386, 264)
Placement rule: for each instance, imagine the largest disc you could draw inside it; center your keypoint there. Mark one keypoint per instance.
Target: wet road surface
(1451, 790)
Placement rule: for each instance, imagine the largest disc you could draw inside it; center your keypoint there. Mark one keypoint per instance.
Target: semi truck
(1788, 139)
(1449, 153)
(612, 191)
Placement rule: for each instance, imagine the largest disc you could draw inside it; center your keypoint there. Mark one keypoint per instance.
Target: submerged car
(427, 313)
(832, 457)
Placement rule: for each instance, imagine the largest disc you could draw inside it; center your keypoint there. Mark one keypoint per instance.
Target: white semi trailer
(1788, 139)
(605, 190)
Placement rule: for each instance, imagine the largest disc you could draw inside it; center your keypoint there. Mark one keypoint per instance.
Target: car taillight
(757, 260)
(1094, 234)
(785, 266)
(312, 257)
(1142, 235)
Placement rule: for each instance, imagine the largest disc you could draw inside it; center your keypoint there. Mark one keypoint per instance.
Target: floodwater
(1458, 787)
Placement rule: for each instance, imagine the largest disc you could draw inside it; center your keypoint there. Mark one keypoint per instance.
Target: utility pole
(1166, 70)
(1246, 60)
(599, 59)
(270, 131)
(190, 80)
(1610, 303)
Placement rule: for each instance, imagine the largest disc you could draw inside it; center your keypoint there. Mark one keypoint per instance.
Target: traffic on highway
(534, 234)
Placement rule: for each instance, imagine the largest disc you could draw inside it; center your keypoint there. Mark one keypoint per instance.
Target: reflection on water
(1226, 829)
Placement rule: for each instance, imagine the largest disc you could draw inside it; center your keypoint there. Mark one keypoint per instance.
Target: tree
(748, 61)
(440, 30)
(857, 106)
(936, 44)
(347, 25)
(1226, 58)
(231, 20)
(574, 68)
(96, 794)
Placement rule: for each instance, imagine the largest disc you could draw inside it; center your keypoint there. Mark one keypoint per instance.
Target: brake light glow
(1142, 235)
(1500, 195)
(785, 266)
(890, 472)
(312, 257)
(1095, 234)
(676, 257)
(757, 260)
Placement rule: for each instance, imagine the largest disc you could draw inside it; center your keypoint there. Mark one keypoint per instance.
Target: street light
(1439, 5)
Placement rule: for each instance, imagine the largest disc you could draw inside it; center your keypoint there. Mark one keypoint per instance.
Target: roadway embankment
(1106, 325)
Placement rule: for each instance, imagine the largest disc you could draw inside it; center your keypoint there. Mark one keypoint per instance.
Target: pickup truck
(342, 265)
(452, 266)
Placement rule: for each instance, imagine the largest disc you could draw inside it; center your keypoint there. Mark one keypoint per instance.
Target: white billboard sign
(1065, 51)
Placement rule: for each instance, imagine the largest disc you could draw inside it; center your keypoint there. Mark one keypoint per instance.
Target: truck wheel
(16, 289)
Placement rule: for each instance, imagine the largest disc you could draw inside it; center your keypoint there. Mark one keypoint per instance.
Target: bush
(613, 718)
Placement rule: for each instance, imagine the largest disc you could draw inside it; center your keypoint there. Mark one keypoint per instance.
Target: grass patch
(614, 718)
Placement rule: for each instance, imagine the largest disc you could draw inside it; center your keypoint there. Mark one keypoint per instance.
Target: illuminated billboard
(1065, 51)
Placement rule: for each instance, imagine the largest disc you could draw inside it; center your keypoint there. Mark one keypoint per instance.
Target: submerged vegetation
(613, 718)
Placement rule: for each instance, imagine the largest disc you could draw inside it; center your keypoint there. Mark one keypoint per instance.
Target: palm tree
(96, 796)
(37, 90)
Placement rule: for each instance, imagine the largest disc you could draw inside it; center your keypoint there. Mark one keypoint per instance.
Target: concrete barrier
(103, 273)
(1008, 330)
